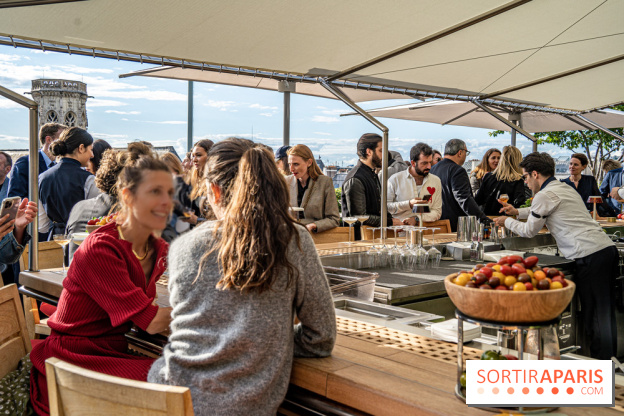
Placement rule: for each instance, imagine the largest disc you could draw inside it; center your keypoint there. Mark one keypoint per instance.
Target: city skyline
(141, 108)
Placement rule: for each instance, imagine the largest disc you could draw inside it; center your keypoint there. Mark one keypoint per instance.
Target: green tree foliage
(595, 144)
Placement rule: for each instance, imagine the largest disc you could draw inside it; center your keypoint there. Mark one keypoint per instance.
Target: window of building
(51, 117)
(70, 119)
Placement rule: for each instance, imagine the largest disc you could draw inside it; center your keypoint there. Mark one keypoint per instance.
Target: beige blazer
(319, 202)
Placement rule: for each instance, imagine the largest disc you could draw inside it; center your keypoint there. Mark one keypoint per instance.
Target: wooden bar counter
(373, 369)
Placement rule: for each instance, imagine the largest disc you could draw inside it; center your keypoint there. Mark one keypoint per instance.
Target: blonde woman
(505, 179)
(488, 164)
(312, 191)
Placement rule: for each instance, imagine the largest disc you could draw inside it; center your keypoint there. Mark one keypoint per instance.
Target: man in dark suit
(457, 198)
(18, 180)
(609, 187)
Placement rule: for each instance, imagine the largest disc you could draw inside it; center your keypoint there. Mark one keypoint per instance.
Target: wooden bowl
(91, 228)
(509, 306)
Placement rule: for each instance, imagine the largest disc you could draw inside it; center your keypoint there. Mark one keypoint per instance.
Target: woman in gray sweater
(236, 285)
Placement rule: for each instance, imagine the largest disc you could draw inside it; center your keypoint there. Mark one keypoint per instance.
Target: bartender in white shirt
(412, 186)
(579, 238)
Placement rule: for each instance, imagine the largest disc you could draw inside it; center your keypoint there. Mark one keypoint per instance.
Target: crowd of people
(242, 263)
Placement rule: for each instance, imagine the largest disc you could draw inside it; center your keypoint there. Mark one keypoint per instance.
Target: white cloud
(219, 104)
(325, 119)
(6, 104)
(122, 112)
(94, 102)
(108, 136)
(13, 142)
(9, 58)
(263, 107)
(266, 114)
(334, 112)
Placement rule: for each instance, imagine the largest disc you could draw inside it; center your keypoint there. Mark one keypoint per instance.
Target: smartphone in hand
(10, 206)
(426, 197)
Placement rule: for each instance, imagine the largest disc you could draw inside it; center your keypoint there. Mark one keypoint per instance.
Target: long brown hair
(197, 175)
(484, 166)
(253, 236)
(305, 153)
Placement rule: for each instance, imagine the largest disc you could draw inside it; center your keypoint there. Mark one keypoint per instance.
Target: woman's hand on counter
(311, 227)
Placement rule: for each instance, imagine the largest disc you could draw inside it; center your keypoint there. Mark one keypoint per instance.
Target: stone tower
(61, 101)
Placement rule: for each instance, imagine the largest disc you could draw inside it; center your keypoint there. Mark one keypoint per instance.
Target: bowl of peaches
(514, 290)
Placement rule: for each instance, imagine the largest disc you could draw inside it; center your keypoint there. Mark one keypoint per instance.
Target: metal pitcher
(462, 229)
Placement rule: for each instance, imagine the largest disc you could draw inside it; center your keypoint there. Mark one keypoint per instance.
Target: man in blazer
(18, 181)
(457, 198)
(609, 187)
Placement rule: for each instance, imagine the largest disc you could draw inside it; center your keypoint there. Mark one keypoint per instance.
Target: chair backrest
(443, 225)
(72, 390)
(14, 341)
(335, 235)
(50, 256)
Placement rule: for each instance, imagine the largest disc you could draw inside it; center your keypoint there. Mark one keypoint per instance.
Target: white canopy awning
(467, 114)
(558, 53)
(271, 84)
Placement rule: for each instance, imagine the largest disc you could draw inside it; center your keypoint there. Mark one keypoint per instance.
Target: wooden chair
(335, 235)
(14, 341)
(72, 390)
(50, 257)
(443, 225)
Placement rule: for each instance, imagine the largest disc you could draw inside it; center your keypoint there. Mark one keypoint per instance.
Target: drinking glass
(373, 252)
(62, 240)
(434, 254)
(350, 221)
(503, 198)
(421, 254)
(395, 251)
(384, 250)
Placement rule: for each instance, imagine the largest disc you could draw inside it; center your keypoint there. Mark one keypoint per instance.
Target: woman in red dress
(111, 283)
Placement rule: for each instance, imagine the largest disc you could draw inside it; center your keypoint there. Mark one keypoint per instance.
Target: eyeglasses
(467, 152)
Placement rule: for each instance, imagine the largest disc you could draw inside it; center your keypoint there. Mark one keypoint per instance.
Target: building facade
(61, 101)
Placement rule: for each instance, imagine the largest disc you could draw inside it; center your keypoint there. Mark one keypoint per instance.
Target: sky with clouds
(142, 108)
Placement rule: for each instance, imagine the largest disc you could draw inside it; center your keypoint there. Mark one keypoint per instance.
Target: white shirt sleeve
(395, 206)
(44, 221)
(621, 192)
(544, 203)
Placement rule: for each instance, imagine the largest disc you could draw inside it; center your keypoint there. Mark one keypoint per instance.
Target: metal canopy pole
(505, 121)
(599, 127)
(514, 118)
(286, 87)
(189, 127)
(384, 160)
(33, 183)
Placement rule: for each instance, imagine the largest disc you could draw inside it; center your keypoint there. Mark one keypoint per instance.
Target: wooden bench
(13, 334)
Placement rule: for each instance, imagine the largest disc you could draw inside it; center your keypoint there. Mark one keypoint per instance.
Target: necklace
(140, 258)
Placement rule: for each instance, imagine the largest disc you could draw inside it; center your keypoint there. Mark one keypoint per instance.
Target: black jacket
(361, 194)
(491, 188)
(457, 199)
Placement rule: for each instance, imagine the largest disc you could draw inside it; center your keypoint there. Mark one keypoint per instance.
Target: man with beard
(457, 198)
(415, 186)
(361, 190)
